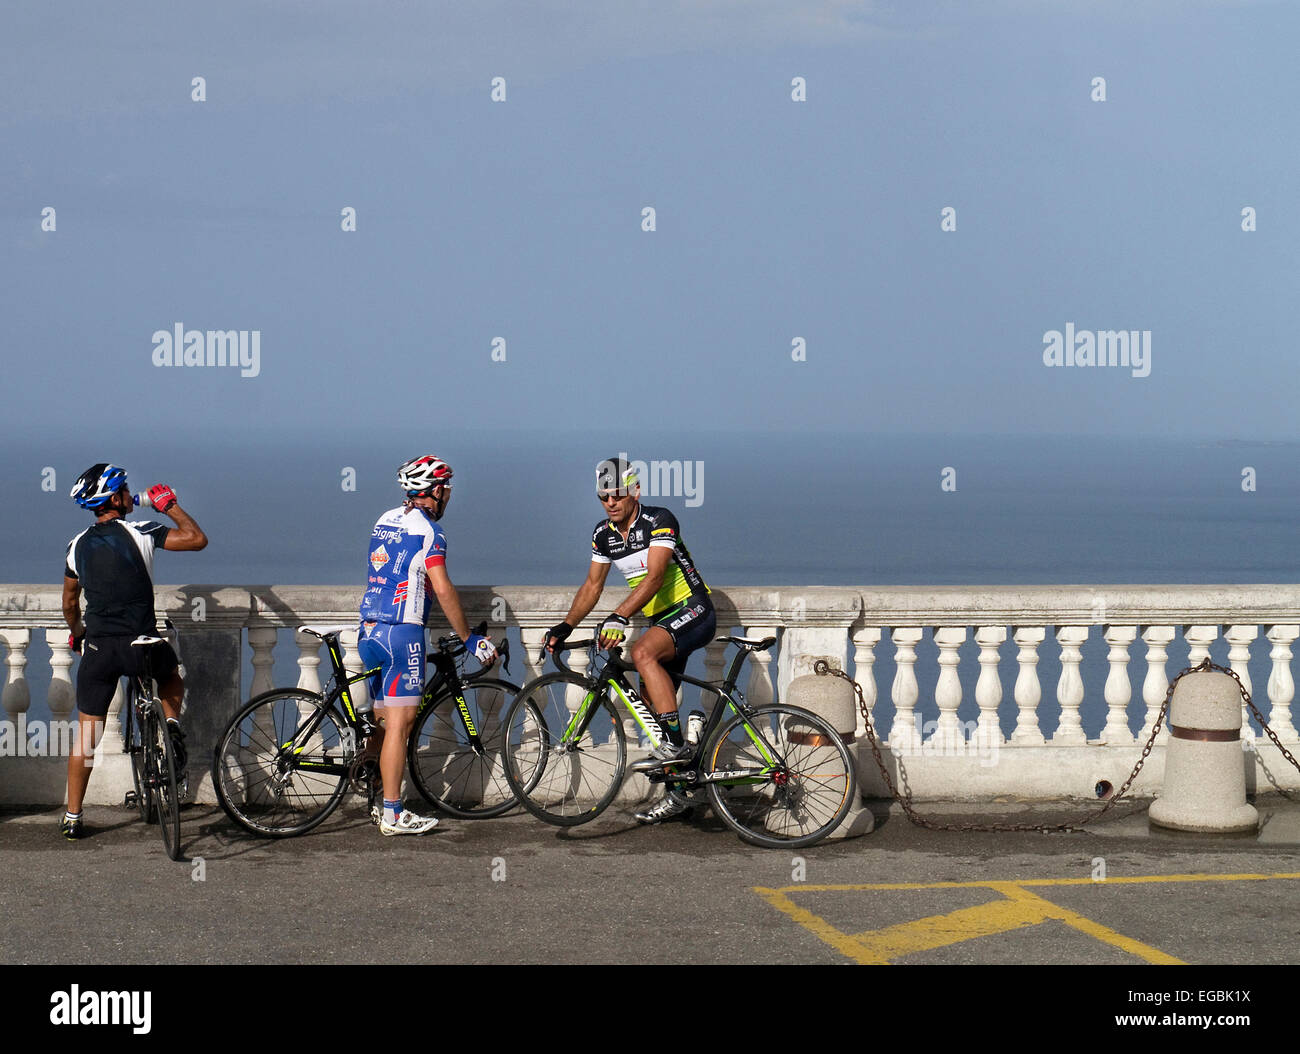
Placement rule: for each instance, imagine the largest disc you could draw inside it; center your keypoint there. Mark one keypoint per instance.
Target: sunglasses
(613, 495)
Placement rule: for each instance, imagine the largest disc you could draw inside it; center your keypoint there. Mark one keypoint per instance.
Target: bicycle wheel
(133, 742)
(274, 778)
(458, 773)
(793, 777)
(158, 742)
(565, 749)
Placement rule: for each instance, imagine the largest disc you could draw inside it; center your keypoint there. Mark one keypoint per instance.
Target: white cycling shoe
(670, 805)
(408, 823)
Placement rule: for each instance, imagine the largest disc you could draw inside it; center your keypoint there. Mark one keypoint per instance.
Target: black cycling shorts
(105, 660)
(691, 624)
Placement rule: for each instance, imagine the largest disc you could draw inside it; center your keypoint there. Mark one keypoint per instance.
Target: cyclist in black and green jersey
(645, 543)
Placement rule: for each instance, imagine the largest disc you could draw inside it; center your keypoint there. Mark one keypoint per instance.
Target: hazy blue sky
(775, 219)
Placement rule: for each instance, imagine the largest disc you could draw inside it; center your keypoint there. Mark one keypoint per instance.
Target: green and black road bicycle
(157, 789)
(288, 756)
(778, 775)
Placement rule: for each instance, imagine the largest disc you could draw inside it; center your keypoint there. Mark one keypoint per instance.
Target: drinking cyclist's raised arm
(187, 536)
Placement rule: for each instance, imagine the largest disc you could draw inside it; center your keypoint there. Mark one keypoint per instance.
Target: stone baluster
(1239, 640)
(16, 697)
(308, 661)
(1156, 682)
(948, 735)
(903, 736)
(715, 658)
(62, 697)
(531, 640)
(1281, 687)
(1199, 639)
(1028, 691)
(988, 689)
(110, 743)
(578, 660)
(864, 659)
(758, 690)
(1069, 689)
(262, 640)
(352, 665)
(1119, 689)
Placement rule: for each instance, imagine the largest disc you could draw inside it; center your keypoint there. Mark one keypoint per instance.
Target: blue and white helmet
(97, 484)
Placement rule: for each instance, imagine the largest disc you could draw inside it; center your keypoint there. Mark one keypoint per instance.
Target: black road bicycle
(288, 756)
(778, 775)
(145, 736)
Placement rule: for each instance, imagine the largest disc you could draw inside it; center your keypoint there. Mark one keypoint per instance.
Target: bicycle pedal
(130, 800)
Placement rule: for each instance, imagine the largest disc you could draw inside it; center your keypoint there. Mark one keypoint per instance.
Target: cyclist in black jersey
(111, 562)
(645, 543)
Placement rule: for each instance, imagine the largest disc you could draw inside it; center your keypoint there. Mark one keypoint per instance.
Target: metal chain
(823, 668)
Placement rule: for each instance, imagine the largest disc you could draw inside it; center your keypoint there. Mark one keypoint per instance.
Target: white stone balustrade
(889, 636)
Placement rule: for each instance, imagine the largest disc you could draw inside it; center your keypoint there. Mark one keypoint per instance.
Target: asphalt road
(513, 890)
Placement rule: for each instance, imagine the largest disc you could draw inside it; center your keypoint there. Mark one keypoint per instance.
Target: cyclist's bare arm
(587, 596)
(72, 605)
(448, 600)
(186, 536)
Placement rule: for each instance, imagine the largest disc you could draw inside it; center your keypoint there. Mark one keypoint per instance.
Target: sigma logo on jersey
(695, 612)
(378, 558)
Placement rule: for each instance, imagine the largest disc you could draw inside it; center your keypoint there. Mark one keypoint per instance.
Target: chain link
(823, 669)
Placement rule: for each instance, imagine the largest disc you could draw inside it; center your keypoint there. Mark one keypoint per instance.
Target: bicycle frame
(612, 676)
(445, 673)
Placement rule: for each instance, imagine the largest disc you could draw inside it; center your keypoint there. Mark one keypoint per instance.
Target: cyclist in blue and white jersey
(408, 568)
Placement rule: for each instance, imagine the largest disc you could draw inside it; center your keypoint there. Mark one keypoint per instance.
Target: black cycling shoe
(180, 756)
(72, 829)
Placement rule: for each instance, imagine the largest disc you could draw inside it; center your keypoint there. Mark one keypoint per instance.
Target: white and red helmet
(420, 475)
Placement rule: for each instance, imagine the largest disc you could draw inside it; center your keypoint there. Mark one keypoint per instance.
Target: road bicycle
(288, 756)
(157, 791)
(778, 775)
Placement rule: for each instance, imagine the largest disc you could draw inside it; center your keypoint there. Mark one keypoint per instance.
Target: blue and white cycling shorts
(397, 648)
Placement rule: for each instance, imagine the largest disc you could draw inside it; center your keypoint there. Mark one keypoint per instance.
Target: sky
(500, 279)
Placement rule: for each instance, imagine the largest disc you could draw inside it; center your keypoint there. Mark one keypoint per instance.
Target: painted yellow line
(965, 924)
(819, 927)
(1093, 929)
(1117, 880)
(1018, 909)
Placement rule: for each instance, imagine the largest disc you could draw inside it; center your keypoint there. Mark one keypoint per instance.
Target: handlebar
(453, 647)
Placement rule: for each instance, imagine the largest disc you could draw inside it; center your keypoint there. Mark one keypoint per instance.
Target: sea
(755, 508)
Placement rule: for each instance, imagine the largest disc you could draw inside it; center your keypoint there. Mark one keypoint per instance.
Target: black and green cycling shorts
(691, 624)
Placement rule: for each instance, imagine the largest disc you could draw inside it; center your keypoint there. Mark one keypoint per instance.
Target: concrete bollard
(1205, 775)
(833, 699)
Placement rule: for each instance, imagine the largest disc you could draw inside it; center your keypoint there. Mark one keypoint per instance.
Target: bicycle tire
(254, 774)
(802, 798)
(133, 742)
(446, 768)
(561, 783)
(163, 764)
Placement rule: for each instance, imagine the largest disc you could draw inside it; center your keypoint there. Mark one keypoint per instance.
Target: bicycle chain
(823, 668)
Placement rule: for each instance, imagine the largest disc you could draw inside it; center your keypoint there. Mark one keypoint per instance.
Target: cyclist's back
(404, 543)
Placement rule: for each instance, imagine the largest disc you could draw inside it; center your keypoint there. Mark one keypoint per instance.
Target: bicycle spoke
(262, 768)
(804, 792)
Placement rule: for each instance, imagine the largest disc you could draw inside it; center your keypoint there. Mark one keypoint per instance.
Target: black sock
(672, 725)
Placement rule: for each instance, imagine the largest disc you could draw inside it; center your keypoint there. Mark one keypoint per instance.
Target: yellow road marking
(819, 927)
(1018, 909)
